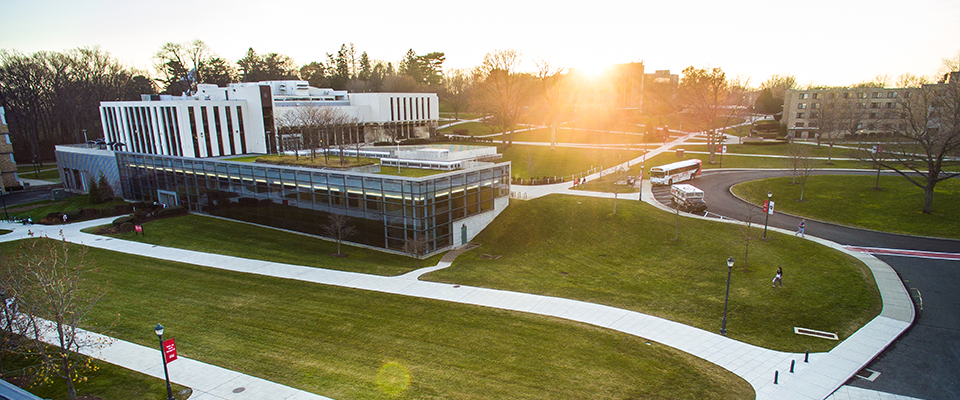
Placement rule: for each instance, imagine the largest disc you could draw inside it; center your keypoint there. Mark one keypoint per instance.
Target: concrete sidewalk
(814, 380)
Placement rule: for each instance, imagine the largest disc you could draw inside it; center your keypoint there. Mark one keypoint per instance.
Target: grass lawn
(44, 175)
(463, 115)
(352, 344)
(565, 135)
(854, 201)
(40, 209)
(779, 149)
(473, 128)
(540, 161)
(572, 247)
(193, 232)
(411, 172)
(106, 381)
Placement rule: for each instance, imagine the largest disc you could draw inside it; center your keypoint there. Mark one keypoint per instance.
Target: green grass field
(40, 209)
(572, 247)
(565, 135)
(473, 128)
(732, 161)
(540, 161)
(52, 175)
(351, 344)
(106, 381)
(202, 233)
(854, 201)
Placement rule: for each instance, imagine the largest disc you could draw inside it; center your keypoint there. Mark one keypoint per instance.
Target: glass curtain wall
(386, 211)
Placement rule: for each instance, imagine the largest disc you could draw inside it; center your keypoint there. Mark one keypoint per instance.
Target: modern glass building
(441, 211)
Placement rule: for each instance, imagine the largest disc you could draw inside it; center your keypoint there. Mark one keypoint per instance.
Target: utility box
(688, 198)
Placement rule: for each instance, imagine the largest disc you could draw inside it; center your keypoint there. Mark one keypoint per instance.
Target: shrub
(126, 227)
(122, 220)
(171, 211)
(90, 213)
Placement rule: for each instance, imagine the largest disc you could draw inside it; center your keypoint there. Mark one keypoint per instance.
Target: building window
(803, 96)
(874, 105)
(801, 106)
(889, 105)
(800, 115)
(815, 106)
(813, 124)
(877, 95)
(833, 95)
(891, 95)
(799, 125)
(873, 115)
(846, 95)
(816, 96)
(862, 95)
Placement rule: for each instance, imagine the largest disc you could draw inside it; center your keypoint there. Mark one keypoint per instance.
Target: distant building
(8, 166)
(864, 110)
(243, 118)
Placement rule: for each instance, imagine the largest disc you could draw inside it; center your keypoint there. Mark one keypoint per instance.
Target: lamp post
(159, 331)
(723, 327)
(766, 210)
(398, 155)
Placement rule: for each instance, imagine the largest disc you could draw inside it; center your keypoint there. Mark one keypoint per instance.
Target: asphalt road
(925, 361)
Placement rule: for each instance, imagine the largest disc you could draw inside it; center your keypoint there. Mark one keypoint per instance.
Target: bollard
(791, 365)
(806, 356)
(776, 376)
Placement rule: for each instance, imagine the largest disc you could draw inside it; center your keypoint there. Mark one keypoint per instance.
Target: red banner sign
(169, 350)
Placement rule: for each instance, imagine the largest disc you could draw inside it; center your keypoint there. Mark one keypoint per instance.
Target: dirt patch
(490, 256)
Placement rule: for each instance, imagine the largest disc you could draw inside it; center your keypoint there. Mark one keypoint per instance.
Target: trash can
(679, 153)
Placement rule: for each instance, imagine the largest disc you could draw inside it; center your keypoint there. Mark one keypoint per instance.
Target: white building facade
(242, 118)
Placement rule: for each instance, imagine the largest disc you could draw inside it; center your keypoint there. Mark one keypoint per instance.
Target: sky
(820, 42)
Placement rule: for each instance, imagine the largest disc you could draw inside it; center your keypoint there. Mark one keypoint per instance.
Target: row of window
(802, 106)
(868, 126)
(872, 115)
(156, 130)
(850, 95)
(409, 108)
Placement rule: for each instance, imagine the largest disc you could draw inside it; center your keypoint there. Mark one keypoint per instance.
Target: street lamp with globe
(723, 327)
(159, 331)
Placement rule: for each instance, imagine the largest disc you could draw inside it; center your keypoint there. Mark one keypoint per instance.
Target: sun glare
(592, 70)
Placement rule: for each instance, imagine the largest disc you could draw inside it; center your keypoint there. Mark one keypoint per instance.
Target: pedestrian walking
(800, 228)
(779, 278)
(64, 218)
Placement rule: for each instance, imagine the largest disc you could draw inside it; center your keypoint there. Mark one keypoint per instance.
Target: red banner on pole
(766, 206)
(169, 350)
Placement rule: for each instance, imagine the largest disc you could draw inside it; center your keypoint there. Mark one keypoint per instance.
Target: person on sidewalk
(800, 228)
(779, 278)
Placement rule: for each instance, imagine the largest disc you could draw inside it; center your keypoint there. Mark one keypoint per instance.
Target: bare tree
(502, 92)
(711, 99)
(53, 299)
(416, 246)
(457, 86)
(338, 227)
(320, 126)
(803, 164)
(554, 98)
(828, 113)
(926, 144)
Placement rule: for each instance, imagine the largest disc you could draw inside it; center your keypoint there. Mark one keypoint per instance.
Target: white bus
(675, 172)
